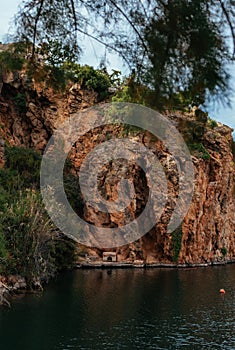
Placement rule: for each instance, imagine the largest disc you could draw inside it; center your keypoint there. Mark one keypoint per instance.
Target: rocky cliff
(28, 115)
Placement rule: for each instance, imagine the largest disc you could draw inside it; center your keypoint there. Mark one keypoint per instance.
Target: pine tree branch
(112, 48)
(35, 27)
(144, 9)
(74, 15)
(229, 23)
(131, 24)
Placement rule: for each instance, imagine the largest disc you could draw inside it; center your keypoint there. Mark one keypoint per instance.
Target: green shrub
(133, 93)
(223, 251)
(3, 250)
(27, 232)
(21, 171)
(55, 53)
(73, 192)
(192, 131)
(88, 77)
(20, 102)
(3, 254)
(176, 243)
(64, 253)
(50, 76)
(212, 123)
(33, 243)
(201, 116)
(123, 95)
(132, 130)
(198, 131)
(57, 68)
(30, 245)
(11, 61)
(179, 101)
(24, 163)
(199, 151)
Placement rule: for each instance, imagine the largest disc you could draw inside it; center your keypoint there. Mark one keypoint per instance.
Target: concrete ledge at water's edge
(128, 265)
(108, 265)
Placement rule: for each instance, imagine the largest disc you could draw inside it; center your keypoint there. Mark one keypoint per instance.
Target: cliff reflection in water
(126, 309)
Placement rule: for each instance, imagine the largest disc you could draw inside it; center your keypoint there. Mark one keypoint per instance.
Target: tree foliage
(186, 51)
(174, 46)
(13, 58)
(88, 77)
(44, 21)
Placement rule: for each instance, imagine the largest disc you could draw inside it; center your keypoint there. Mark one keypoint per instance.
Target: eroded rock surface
(208, 230)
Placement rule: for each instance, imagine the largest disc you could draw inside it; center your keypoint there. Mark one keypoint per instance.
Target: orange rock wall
(208, 230)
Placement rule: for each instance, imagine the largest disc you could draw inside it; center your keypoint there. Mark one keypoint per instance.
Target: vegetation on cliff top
(173, 47)
(56, 74)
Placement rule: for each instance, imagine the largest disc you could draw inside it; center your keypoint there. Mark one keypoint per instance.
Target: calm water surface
(126, 309)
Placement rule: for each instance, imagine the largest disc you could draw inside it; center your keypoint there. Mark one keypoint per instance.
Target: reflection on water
(126, 309)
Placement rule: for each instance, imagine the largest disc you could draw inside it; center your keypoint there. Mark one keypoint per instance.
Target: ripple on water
(127, 309)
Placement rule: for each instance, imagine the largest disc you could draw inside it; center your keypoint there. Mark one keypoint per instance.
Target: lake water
(126, 309)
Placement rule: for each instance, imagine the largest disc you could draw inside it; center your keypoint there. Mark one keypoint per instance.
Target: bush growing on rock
(88, 77)
(33, 243)
(30, 245)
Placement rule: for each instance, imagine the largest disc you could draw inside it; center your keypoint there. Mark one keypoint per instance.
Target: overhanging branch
(35, 27)
(105, 44)
(131, 24)
(74, 15)
(229, 23)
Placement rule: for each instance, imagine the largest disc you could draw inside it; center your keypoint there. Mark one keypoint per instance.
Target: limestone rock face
(209, 227)
(29, 116)
(207, 233)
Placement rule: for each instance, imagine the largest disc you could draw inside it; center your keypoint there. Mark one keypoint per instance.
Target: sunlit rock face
(28, 116)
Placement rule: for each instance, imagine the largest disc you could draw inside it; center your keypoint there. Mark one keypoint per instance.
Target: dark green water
(126, 309)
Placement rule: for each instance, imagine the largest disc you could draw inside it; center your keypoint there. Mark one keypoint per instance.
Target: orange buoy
(222, 291)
